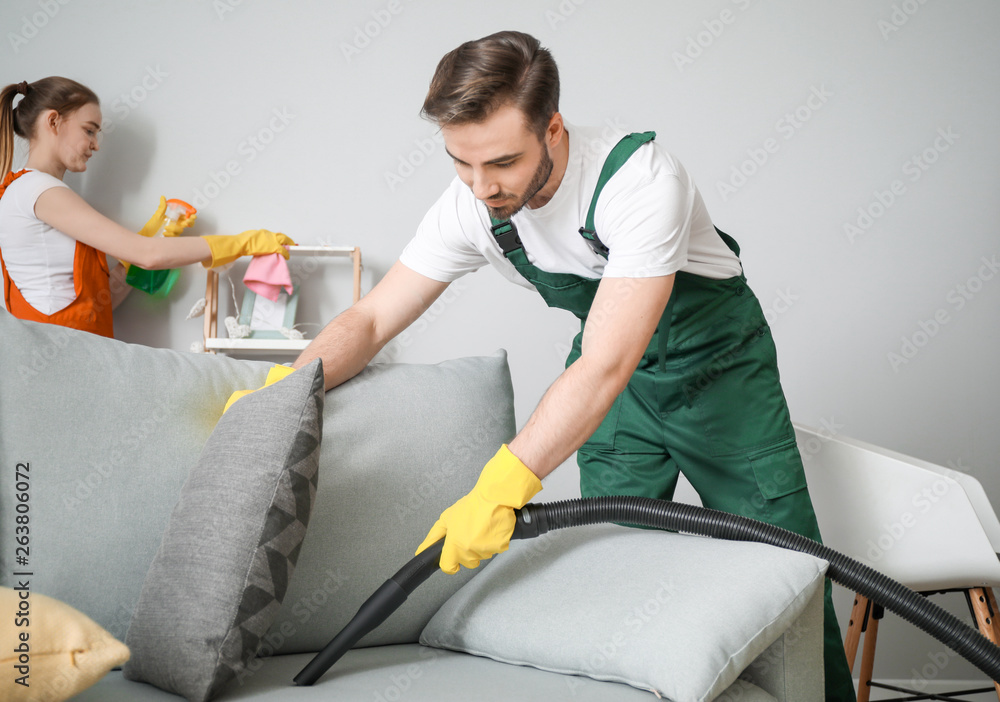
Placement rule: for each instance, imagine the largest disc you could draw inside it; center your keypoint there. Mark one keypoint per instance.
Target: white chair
(929, 527)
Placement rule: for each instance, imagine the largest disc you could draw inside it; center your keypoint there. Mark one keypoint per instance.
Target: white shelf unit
(214, 343)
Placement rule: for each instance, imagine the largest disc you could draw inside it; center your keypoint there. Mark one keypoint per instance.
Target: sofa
(211, 555)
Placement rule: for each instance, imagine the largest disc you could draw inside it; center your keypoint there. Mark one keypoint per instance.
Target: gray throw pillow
(231, 545)
(678, 615)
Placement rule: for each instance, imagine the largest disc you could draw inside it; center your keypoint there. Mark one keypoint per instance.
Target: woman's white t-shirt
(39, 258)
(650, 215)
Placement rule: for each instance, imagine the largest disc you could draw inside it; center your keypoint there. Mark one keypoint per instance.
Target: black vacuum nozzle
(394, 592)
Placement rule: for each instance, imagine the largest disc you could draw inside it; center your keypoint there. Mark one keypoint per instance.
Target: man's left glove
(275, 374)
(481, 523)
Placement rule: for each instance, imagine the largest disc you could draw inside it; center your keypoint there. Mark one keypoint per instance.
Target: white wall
(839, 103)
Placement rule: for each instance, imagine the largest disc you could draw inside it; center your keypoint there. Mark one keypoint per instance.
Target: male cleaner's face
(500, 159)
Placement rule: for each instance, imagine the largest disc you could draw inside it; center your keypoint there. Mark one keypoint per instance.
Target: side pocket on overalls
(778, 469)
(603, 439)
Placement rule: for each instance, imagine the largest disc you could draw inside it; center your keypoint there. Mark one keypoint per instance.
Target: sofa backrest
(107, 432)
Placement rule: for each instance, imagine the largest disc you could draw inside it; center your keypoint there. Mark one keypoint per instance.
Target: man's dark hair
(506, 68)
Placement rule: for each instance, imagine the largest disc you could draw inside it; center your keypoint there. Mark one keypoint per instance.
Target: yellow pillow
(54, 649)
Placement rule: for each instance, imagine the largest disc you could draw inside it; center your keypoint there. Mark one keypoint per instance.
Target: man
(674, 369)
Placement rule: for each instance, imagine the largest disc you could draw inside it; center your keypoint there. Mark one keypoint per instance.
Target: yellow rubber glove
(275, 374)
(153, 225)
(150, 228)
(481, 523)
(254, 242)
(182, 223)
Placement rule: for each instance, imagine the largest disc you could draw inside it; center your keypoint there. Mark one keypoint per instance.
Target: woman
(52, 243)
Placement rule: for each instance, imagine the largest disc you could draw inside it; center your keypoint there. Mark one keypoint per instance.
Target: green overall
(705, 401)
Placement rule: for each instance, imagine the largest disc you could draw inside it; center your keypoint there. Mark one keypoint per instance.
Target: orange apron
(91, 310)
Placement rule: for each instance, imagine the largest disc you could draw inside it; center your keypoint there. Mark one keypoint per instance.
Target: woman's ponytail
(7, 128)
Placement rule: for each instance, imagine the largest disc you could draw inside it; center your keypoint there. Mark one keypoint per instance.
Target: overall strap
(10, 178)
(729, 241)
(618, 156)
(505, 234)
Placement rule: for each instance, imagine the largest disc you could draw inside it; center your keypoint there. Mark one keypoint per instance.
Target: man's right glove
(254, 242)
(481, 523)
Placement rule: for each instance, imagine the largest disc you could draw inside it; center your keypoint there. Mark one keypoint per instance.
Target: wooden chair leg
(854, 629)
(868, 655)
(985, 619)
(993, 605)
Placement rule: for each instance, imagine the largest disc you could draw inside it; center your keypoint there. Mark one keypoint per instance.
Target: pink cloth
(267, 275)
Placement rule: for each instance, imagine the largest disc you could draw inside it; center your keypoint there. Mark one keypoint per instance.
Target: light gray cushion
(679, 615)
(110, 431)
(232, 543)
(401, 443)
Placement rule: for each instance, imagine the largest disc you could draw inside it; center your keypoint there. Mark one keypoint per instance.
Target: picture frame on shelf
(266, 318)
(267, 338)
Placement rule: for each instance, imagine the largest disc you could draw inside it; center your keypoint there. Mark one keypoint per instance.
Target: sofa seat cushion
(678, 615)
(405, 672)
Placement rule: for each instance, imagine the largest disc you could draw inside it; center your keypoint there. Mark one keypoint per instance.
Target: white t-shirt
(39, 258)
(650, 215)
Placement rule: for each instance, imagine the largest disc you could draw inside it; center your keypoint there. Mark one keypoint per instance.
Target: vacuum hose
(537, 519)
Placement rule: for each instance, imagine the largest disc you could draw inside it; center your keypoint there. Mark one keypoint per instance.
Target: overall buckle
(506, 237)
(596, 244)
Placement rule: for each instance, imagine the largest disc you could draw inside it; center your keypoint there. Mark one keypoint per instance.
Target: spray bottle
(160, 283)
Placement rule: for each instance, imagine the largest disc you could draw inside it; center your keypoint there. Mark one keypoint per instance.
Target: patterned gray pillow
(232, 542)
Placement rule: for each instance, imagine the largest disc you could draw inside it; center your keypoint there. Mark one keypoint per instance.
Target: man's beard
(538, 182)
